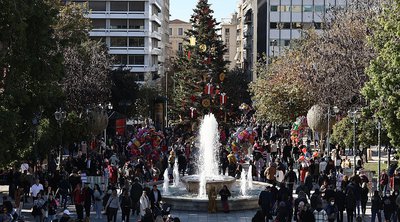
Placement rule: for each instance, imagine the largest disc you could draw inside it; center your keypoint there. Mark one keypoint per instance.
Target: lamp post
(379, 128)
(335, 111)
(354, 115)
(166, 97)
(60, 115)
(108, 107)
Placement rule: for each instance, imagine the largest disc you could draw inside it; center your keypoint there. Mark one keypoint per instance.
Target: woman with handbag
(112, 206)
(144, 204)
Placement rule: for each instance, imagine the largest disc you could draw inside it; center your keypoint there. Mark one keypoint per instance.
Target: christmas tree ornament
(203, 48)
(222, 76)
(222, 98)
(192, 41)
(209, 89)
(206, 103)
(192, 112)
(193, 98)
(189, 54)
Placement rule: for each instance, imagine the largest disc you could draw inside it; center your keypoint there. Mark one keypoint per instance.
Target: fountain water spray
(209, 144)
(166, 182)
(250, 177)
(175, 174)
(243, 183)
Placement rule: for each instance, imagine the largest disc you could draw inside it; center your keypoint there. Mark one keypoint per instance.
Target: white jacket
(144, 204)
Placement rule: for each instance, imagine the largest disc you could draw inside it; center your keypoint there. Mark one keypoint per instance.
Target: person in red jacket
(78, 201)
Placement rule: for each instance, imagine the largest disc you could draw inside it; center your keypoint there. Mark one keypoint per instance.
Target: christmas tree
(200, 71)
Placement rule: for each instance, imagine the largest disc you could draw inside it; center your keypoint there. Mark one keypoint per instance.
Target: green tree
(201, 63)
(382, 89)
(86, 62)
(31, 67)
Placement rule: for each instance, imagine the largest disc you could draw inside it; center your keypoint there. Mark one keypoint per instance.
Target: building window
(136, 24)
(286, 42)
(297, 25)
(118, 42)
(118, 24)
(154, 60)
(319, 8)
(155, 10)
(120, 59)
(136, 42)
(180, 31)
(98, 23)
(274, 8)
(180, 47)
(136, 59)
(296, 8)
(307, 8)
(170, 31)
(136, 6)
(97, 6)
(119, 6)
(227, 31)
(155, 26)
(154, 43)
(227, 40)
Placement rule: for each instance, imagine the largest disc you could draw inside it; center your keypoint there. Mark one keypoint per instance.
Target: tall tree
(382, 89)
(87, 63)
(30, 69)
(201, 69)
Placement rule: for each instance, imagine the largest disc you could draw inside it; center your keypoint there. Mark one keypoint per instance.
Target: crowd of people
(123, 173)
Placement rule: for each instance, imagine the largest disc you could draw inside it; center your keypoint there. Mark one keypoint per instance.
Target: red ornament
(222, 98)
(209, 89)
(189, 54)
(193, 98)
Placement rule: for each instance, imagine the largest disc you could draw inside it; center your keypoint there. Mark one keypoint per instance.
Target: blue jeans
(374, 214)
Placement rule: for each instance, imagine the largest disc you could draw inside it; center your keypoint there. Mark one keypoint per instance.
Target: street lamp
(329, 114)
(60, 115)
(354, 115)
(108, 107)
(379, 128)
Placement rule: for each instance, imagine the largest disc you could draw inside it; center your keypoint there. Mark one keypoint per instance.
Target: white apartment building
(135, 31)
(281, 21)
(229, 38)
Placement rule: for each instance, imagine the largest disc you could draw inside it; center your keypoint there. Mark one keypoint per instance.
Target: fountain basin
(192, 182)
(180, 199)
(201, 205)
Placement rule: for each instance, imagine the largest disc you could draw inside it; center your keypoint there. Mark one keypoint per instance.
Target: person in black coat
(88, 195)
(364, 198)
(135, 193)
(376, 206)
(350, 205)
(225, 194)
(155, 197)
(265, 202)
(340, 199)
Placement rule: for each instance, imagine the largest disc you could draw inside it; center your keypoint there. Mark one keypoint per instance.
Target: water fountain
(175, 174)
(208, 162)
(243, 183)
(166, 182)
(250, 177)
(191, 193)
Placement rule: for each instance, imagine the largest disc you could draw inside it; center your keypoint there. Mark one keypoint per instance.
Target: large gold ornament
(206, 103)
(203, 48)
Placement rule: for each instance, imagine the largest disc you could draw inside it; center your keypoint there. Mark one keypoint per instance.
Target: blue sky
(183, 9)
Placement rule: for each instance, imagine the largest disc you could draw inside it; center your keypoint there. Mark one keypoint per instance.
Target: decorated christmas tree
(200, 71)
